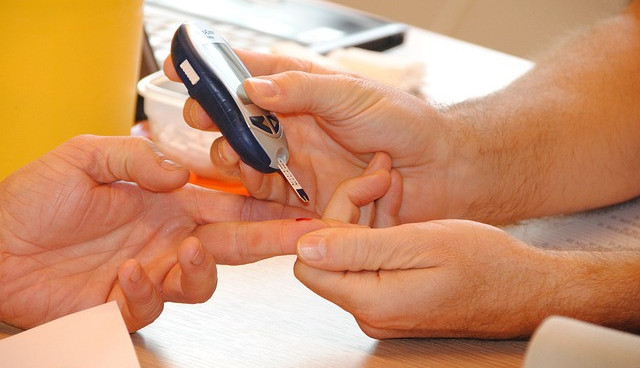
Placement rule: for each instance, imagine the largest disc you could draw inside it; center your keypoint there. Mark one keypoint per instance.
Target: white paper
(96, 338)
(562, 342)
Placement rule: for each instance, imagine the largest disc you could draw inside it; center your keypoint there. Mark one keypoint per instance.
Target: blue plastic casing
(213, 75)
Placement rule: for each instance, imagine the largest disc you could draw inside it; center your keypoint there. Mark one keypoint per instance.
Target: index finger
(235, 243)
(260, 64)
(267, 64)
(170, 70)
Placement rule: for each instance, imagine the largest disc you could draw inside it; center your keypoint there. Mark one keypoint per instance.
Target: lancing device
(213, 75)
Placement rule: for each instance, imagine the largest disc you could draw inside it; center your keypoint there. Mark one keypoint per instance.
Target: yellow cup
(68, 67)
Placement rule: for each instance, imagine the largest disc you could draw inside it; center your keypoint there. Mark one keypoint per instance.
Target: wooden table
(261, 316)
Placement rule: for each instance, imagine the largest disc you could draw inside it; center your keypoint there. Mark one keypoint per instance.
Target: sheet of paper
(562, 342)
(96, 337)
(611, 228)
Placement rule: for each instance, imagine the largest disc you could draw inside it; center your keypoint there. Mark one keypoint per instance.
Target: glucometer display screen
(231, 71)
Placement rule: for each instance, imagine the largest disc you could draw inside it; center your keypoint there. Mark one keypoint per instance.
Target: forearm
(602, 288)
(564, 137)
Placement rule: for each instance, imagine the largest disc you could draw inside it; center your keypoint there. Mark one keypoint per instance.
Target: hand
(453, 278)
(449, 278)
(335, 123)
(100, 219)
(371, 199)
(434, 279)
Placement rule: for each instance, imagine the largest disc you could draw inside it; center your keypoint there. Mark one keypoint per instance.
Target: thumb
(332, 96)
(135, 159)
(365, 249)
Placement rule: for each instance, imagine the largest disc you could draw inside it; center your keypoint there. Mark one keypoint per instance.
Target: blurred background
(519, 27)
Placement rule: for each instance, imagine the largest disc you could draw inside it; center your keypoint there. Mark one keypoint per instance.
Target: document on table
(562, 342)
(606, 229)
(96, 337)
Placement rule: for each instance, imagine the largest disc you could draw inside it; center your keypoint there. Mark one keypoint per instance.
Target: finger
(259, 64)
(351, 195)
(265, 64)
(245, 242)
(192, 113)
(136, 159)
(269, 187)
(400, 247)
(143, 303)
(225, 158)
(334, 96)
(194, 278)
(196, 117)
(380, 161)
(170, 70)
(388, 207)
(353, 199)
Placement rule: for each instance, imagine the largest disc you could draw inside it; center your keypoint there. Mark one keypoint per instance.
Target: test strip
(292, 181)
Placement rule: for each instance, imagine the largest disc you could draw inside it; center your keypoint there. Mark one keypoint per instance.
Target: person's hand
(446, 278)
(335, 123)
(371, 199)
(100, 219)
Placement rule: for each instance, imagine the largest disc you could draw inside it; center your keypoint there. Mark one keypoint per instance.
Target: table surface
(261, 316)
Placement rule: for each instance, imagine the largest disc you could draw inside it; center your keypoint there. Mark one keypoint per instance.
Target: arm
(564, 137)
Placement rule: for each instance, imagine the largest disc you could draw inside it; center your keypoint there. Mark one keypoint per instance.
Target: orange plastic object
(142, 129)
(233, 187)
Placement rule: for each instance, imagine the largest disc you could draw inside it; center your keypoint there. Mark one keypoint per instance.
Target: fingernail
(136, 274)
(222, 151)
(199, 257)
(264, 87)
(170, 165)
(312, 248)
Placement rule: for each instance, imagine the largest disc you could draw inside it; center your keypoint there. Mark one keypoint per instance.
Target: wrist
(502, 160)
(597, 287)
(480, 166)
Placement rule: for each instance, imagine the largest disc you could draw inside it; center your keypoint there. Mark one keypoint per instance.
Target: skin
(109, 218)
(457, 278)
(560, 139)
(329, 147)
(538, 147)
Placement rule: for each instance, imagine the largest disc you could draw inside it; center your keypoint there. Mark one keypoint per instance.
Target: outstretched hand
(109, 218)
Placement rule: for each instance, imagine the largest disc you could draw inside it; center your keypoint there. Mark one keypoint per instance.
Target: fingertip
(198, 276)
(261, 89)
(388, 206)
(143, 302)
(380, 160)
(170, 70)
(222, 154)
(311, 248)
(195, 116)
(126, 270)
(192, 254)
(166, 175)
